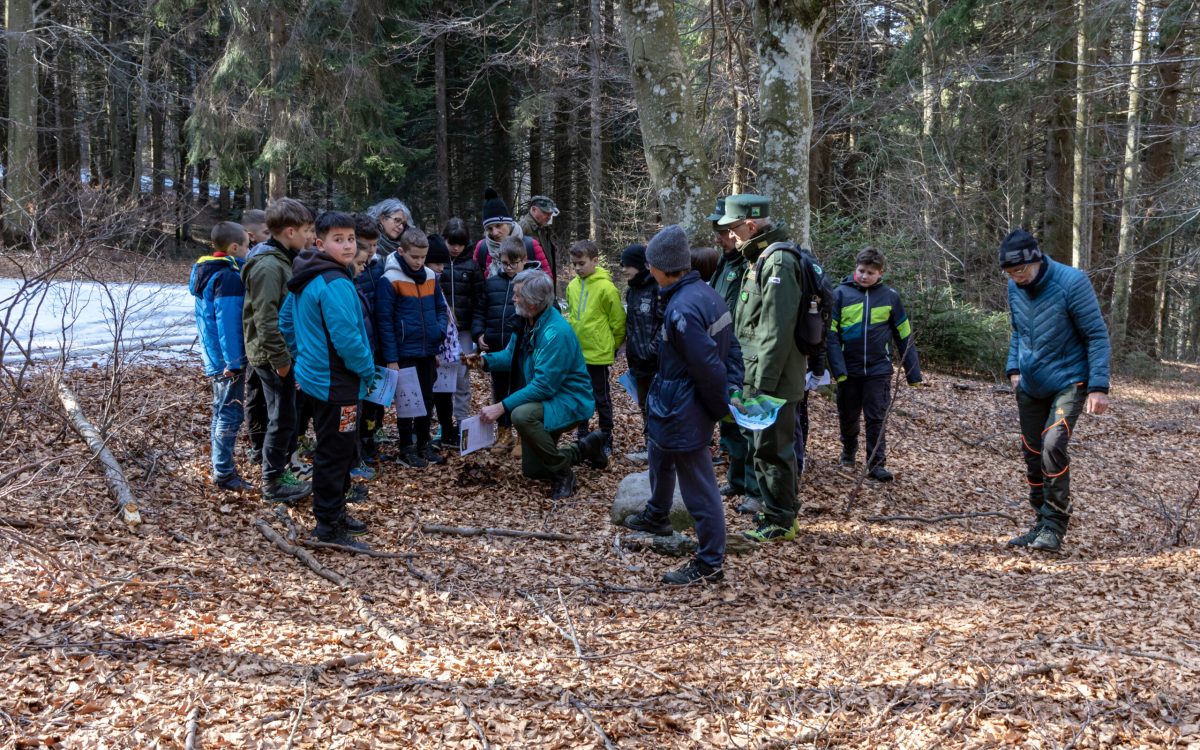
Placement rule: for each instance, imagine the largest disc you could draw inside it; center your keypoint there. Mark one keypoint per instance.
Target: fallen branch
(113, 474)
(571, 631)
(549, 536)
(18, 523)
(380, 628)
(355, 550)
(302, 555)
(1124, 651)
(299, 713)
(342, 662)
(193, 729)
(587, 713)
(478, 729)
(943, 517)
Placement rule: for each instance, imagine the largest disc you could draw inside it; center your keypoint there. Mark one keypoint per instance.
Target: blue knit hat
(668, 250)
(1019, 248)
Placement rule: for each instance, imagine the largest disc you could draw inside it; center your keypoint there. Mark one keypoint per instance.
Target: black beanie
(634, 256)
(439, 252)
(494, 209)
(1018, 249)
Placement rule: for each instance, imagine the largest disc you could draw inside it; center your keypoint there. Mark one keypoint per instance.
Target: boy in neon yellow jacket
(597, 316)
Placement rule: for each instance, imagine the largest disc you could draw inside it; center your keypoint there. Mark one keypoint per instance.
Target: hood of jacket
(754, 246)
(309, 265)
(208, 266)
(395, 269)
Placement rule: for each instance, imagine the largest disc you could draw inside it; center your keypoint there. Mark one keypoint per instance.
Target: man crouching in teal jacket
(557, 392)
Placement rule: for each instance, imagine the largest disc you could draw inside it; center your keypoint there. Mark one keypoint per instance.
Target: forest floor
(862, 633)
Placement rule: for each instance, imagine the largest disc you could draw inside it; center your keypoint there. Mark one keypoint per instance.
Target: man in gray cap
(536, 223)
(699, 366)
(768, 306)
(735, 441)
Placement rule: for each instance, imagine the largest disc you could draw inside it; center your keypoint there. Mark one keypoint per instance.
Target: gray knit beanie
(668, 250)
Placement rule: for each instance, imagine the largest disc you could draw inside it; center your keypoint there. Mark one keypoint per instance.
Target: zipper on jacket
(866, 325)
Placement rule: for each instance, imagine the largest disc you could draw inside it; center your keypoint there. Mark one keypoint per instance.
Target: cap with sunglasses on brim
(545, 203)
(719, 211)
(743, 207)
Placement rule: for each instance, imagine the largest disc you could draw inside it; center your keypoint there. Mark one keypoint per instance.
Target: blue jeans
(227, 414)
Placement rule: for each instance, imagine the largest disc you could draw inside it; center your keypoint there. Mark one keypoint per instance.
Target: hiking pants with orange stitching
(1046, 427)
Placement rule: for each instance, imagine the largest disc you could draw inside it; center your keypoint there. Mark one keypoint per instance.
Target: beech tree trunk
(276, 151)
(670, 134)
(1081, 246)
(785, 31)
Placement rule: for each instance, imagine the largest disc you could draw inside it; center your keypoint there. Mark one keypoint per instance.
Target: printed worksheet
(447, 378)
(475, 434)
(409, 402)
(385, 386)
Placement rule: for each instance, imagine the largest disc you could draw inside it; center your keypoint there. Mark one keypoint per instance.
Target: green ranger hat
(745, 206)
(719, 211)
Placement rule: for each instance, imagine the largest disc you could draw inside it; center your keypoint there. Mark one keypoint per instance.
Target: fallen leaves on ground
(859, 634)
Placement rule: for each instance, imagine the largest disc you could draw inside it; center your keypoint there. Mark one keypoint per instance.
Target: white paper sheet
(447, 378)
(409, 402)
(475, 434)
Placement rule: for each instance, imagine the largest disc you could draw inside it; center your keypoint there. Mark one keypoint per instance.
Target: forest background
(926, 128)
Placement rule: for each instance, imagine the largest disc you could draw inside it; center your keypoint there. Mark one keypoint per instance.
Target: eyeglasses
(729, 228)
(1018, 270)
(509, 263)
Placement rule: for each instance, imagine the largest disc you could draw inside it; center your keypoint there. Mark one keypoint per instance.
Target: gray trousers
(698, 486)
(462, 394)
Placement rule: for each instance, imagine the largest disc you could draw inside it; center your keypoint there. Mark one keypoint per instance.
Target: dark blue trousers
(698, 486)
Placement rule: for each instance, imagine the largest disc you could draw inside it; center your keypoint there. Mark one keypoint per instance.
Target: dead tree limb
(943, 517)
(113, 474)
(342, 662)
(475, 724)
(302, 555)
(193, 729)
(587, 713)
(549, 536)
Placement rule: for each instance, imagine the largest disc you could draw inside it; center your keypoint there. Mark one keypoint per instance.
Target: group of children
(296, 313)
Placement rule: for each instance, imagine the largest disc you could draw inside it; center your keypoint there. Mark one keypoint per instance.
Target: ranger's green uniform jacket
(727, 279)
(766, 320)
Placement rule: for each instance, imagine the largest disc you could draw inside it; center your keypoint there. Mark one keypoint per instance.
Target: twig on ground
(379, 627)
(342, 662)
(549, 536)
(354, 550)
(113, 475)
(943, 517)
(571, 631)
(478, 729)
(299, 713)
(302, 555)
(1125, 651)
(587, 713)
(193, 729)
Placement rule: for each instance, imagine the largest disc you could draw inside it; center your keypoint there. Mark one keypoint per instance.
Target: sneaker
(336, 535)
(694, 572)
(447, 437)
(768, 532)
(409, 458)
(362, 472)
(301, 470)
(717, 458)
(643, 522)
(233, 483)
(353, 526)
(1024, 540)
(288, 488)
(562, 485)
(1047, 540)
(727, 490)
(751, 506)
(591, 450)
(382, 436)
(638, 457)
(846, 459)
(431, 456)
(358, 493)
(880, 474)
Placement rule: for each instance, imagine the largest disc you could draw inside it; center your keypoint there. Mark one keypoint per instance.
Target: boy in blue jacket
(868, 318)
(323, 322)
(216, 283)
(411, 318)
(699, 367)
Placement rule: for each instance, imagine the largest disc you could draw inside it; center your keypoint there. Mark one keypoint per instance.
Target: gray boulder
(634, 492)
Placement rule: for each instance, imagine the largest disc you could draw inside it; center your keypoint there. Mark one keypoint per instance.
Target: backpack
(816, 307)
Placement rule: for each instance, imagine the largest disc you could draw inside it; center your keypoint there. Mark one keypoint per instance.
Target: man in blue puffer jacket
(216, 283)
(1058, 361)
(699, 366)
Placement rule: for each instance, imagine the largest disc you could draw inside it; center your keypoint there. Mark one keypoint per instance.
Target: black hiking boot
(562, 485)
(880, 474)
(287, 488)
(1048, 540)
(727, 490)
(336, 534)
(697, 571)
(1026, 539)
(847, 459)
(353, 526)
(643, 522)
(431, 455)
(591, 450)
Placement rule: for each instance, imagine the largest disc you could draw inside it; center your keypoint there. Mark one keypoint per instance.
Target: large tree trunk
(670, 135)
(1081, 246)
(69, 156)
(786, 32)
(1145, 302)
(1127, 236)
(736, 68)
(277, 141)
(121, 135)
(21, 176)
(596, 140)
(442, 143)
(1056, 230)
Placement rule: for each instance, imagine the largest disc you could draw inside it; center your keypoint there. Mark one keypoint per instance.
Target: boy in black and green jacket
(868, 318)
